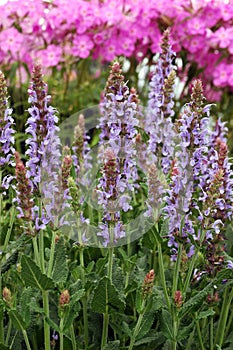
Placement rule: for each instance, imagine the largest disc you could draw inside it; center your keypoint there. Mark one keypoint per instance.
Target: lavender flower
(108, 191)
(160, 108)
(81, 151)
(43, 144)
(190, 169)
(6, 133)
(118, 123)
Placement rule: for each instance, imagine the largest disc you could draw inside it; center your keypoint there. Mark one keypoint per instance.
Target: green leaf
(52, 324)
(60, 268)
(10, 261)
(147, 321)
(73, 309)
(139, 300)
(106, 294)
(196, 301)
(204, 314)
(4, 347)
(164, 228)
(25, 305)
(70, 314)
(185, 332)
(77, 296)
(118, 278)
(157, 337)
(18, 243)
(113, 345)
(33, 276)
(17, 319)
(166, 325)
(126, 329)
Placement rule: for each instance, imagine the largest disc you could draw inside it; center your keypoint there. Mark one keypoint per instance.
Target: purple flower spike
(6, 133)
(43, 147)
(160, 108)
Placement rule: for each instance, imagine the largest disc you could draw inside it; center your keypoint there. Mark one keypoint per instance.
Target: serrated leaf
(21, 241)
(204, 314)
(90, 266)
(158, 337)
(196, 301)
(166, 325)
(25, 305)
(113, 345)
(52, 324)
(139, 300)
(106, 294)
(164, 228)
(185, 332)
(71, 313)
(60, 268)
(10, 261)
(147, 321)
(73, 309)
(17, 319)
(32, 275)
(126, 329)
(118, 278)
(77, 296)
(34, 307)
(73, 288)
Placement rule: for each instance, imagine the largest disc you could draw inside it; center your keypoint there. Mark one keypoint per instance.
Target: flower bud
(7, 297)
(64, 298)
(148, 283)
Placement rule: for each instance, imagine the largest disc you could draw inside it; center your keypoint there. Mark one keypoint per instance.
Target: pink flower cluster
(62, 31)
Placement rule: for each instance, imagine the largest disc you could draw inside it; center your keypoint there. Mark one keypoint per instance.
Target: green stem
(137, 327)
(8, 332)
(73, 340)
(223, 316)
(162, 273)
(228, 327)
(211, 332)
(199, 334)
(190, 340)
(45, 296)
(61, 334)
(52, 251)
(41, 251)
(191, 266)
(7, 238)
(36, 251)
(175, 330)
(106, 314)
(84, 300)
(189, 273)
(26, 339)
(177, 270)
(1, 329)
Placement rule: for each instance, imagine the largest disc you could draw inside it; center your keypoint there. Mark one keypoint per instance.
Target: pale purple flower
(158, 122)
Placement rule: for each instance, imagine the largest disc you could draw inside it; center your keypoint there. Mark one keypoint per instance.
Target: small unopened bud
(66, 166)
(7, 297)
(64, 298)
(178, 299)
(148, 283)
(212, 299)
